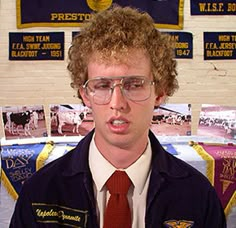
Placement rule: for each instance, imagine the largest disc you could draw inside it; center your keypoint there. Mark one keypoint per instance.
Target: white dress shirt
(138, 172)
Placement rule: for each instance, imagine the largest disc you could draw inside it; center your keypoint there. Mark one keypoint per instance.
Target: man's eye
(102, 86)
(134, 84)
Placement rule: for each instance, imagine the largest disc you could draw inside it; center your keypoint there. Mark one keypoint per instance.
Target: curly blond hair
(113, 33)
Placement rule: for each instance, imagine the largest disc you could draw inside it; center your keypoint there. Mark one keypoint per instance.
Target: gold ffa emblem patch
(99, 5)
(178, 224)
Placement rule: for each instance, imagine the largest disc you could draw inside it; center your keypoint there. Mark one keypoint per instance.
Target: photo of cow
(70, 120)
(172, 120)
(24, 121)
(217, 121)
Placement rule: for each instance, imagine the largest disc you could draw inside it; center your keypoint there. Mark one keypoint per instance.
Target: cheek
(145, 112)
(98, 112)
(148, 111)
(148, 116)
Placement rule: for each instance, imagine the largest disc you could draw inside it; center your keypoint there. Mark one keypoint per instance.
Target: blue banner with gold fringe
(19, 162)
(40, 13)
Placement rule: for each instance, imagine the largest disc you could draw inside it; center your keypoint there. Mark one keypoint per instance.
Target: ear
(160, 99)
(84, 97)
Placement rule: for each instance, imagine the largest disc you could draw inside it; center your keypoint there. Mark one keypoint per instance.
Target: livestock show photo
(24, 122)
(70, 120)
(217, 121)
(172, 120)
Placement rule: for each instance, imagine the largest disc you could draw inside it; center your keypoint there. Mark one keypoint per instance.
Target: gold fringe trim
(18, 13)
(44, 154)
(11, 191)
(210, 162)
(231, 204)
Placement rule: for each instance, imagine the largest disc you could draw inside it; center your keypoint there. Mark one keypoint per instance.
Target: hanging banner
(219, 45)
(213, 7)
(221, 170)
(40, 13)
(36, 46)
(19, 162)
(183, 44)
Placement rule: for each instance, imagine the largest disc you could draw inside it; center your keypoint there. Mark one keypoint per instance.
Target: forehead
(131, 63)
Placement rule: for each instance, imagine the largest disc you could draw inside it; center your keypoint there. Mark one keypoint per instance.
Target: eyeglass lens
(135, 88)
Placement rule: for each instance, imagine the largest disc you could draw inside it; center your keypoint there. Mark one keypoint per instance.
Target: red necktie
(117, 214)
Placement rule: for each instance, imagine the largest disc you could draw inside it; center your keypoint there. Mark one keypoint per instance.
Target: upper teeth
(118, 121)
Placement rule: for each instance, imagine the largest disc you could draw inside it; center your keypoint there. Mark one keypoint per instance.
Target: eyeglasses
(135, 88)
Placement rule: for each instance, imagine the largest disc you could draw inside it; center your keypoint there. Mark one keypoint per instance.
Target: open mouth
(118, 122)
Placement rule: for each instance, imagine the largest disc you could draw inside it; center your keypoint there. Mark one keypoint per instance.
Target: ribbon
(221, 170)
(19, 162)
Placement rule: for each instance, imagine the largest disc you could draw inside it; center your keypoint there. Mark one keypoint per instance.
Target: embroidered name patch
(178, 224)
(51, 213)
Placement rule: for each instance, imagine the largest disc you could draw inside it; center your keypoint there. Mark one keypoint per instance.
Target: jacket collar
(162, 161)
(79, 157)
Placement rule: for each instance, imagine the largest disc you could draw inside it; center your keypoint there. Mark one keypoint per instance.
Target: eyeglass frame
(120, 84)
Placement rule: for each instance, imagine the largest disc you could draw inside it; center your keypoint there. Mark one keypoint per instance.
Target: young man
(122, 67)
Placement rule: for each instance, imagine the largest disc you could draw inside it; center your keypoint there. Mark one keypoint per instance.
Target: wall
(48, 82)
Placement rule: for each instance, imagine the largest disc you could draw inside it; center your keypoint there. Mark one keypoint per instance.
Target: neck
(121, 157)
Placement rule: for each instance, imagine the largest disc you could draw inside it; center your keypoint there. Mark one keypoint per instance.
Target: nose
(118, 100)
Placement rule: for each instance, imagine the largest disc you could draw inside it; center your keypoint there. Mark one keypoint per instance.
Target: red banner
(221, 170)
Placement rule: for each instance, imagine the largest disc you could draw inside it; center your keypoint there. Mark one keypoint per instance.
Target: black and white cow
(12, 122)
(72, 117)
(158, 119)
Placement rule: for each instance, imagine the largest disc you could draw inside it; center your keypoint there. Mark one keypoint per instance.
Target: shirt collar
(101, 169)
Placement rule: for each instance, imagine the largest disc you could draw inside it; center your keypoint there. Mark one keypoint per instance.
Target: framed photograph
(70, 120)
(172, 119)
(26, 121)
(217, 121)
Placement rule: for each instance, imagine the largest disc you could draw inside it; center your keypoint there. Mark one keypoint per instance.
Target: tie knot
(118, 183)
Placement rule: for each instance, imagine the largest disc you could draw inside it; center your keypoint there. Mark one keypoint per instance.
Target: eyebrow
(120, 77)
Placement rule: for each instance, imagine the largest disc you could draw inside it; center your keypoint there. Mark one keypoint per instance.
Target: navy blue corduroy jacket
(61, 194)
